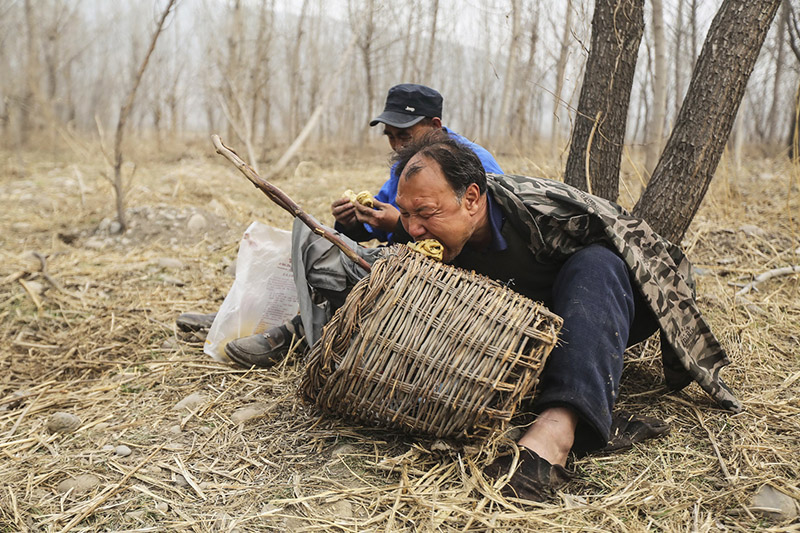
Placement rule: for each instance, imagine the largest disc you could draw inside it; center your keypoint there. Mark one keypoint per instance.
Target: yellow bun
(364, 197)
(428, 247)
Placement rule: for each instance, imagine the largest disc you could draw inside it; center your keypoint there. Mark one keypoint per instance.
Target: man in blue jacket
(411, 112)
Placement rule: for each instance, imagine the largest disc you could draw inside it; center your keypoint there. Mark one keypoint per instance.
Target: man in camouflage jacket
(610, 277)
(558, 220)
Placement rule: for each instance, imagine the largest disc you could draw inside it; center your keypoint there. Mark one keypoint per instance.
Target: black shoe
(266, 349)
(628, 429)
(194, 321)
(535, 479)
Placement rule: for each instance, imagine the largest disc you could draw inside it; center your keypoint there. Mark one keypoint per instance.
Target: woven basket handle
(280, 198)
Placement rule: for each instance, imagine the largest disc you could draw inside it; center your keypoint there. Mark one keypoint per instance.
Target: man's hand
(382, 216)
(344, 212)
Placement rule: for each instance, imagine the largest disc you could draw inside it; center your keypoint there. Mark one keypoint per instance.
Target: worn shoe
(535, 479)
(194, 321)
(628, 429)
(265, 349)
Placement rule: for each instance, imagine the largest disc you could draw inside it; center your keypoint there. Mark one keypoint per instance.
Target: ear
(472, 198)
(436, 122)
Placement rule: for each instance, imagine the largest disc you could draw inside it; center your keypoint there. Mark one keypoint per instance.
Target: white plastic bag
(263, 294)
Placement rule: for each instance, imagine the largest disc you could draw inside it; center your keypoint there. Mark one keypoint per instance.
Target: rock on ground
(256, 410)
(772, 503)
(191, 402)
(79, 484)
(62, 422)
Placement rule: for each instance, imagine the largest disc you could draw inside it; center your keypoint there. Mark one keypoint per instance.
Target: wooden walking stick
(280, 198)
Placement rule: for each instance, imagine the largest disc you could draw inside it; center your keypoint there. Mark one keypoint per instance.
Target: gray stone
(170, 263)
(191, 402)
(751, 230)
(256, 410)
(772, 503)
(197, 223)
(94, 243)
(180, 480)
(61, 422)
(343, 449)
(114, 228)
(162, 507)
(108, 448)
(122, 450)
(171, 343)
(171, 280)
(79, 484)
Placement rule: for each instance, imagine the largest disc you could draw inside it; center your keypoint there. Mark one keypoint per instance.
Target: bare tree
(431, 42)
(793, 31)
(691, 156)
(596, 149)
(655, 130)
(295, 73)
(561, 69)
(677, 58)
(124, 113)
(501, 123)
(780, 60)
(521, 121)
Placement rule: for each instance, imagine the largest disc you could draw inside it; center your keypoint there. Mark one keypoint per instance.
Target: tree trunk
(678, 60)
(31, 77)
(655, 130)
(718, 83)
(780, 38)
(561, 68)
(501, 125)
(521, 123)
(125, 111)
(597, 138)
(431, 43)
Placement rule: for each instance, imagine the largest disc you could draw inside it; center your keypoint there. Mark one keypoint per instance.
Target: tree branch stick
(280, 198)
(769, 274)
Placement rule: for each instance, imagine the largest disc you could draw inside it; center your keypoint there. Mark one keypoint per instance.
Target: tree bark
(704, 123)
(597, 138)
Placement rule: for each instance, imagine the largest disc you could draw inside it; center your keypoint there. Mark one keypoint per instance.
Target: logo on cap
(409, 108)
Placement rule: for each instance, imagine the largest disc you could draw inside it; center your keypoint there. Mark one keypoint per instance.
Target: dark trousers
(603, 315)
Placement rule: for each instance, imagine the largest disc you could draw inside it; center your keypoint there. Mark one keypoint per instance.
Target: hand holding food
(363, 198)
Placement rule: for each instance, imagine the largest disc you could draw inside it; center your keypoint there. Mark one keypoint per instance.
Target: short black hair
(459, 164)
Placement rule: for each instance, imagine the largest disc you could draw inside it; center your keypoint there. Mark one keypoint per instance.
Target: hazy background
(510, 70)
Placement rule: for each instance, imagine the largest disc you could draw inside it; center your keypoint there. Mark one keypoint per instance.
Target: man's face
(430, 209)
(399, 137)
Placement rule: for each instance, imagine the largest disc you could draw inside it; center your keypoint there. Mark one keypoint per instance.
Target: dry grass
(94, 335)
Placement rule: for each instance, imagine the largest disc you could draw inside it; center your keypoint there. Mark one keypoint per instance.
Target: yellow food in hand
(428, 247)
(364, 197)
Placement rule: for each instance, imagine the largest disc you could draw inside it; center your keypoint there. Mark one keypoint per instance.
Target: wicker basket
(429, 348)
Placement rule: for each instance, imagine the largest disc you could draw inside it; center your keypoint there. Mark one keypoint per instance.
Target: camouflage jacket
(559, 219)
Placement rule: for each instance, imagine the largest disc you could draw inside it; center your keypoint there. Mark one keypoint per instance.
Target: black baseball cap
(409, 103)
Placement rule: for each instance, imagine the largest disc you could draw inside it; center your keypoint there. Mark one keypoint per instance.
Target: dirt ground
(87, 328)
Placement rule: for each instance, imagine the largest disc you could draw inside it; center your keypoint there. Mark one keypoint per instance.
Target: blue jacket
(388, 192)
